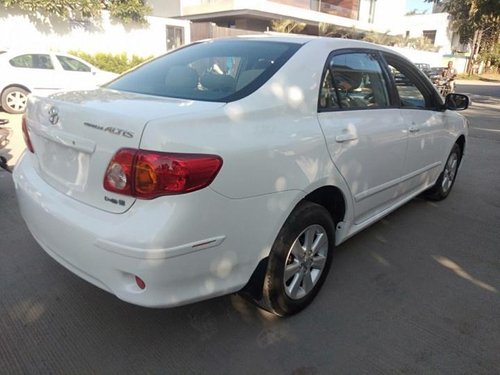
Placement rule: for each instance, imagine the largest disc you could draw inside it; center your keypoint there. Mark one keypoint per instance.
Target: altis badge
(111, 130)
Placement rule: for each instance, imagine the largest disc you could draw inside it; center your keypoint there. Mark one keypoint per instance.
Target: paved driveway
(416, 293)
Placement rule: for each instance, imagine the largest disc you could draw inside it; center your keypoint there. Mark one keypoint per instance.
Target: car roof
(333, 43)
(17, 52)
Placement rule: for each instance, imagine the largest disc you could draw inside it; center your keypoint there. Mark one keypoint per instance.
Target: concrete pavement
(416, 293)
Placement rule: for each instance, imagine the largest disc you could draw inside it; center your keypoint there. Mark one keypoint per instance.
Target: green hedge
(117, 63)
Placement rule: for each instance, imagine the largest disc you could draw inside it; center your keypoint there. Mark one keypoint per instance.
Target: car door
(428, 138)
(36, 71)
(75, 73)
(366, 136)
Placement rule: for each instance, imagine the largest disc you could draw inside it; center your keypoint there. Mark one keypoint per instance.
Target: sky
(420, 5)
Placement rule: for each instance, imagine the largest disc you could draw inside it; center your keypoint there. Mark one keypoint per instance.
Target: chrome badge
(53, 115)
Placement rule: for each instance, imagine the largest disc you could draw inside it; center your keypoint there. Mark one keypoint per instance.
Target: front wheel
(444, 183)
(299, 260)
(14, 100)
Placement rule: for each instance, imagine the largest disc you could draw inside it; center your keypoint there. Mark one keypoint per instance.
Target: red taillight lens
(26, 135)
(149, 174)
(118, 177)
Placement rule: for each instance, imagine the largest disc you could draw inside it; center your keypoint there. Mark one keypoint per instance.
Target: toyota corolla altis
(233, 165)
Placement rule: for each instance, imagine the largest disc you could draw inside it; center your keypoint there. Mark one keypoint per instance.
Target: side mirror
(456, 102)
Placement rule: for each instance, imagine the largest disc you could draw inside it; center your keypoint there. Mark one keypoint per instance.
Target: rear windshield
(220, 71)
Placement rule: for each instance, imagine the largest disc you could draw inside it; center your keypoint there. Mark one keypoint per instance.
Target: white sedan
(43, 73)
(233, 165)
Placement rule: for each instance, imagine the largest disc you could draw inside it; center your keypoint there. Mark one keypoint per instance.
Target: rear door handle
(345, 137)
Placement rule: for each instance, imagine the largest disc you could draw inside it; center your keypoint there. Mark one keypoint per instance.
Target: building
(257, 15)
(177, 22)
(436, 28)
(212, 18)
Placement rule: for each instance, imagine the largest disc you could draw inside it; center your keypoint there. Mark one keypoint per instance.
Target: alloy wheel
(16, 101)
(305, 262)
(449, 172)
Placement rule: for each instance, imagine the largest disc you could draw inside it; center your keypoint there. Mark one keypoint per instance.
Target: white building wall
(165, 8)
(432, 58)
(416, 25)
(17, 31)
(389, 14)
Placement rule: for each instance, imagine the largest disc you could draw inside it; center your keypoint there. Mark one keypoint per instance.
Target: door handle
(345, 137)
(414, 129)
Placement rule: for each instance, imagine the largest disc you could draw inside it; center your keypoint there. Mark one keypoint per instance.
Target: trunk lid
(75, 135)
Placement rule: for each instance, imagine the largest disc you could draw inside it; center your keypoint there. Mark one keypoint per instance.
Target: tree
(287, 26)
(386, 39)
(125, 10)
(478, 23)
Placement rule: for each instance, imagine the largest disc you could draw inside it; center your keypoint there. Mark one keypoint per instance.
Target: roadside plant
(126, 11)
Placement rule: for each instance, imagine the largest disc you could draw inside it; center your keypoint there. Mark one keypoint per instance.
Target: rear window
(220, 71)
(72, 65)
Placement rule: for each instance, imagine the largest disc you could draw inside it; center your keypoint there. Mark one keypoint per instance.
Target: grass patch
(488, 77)
(116, 63)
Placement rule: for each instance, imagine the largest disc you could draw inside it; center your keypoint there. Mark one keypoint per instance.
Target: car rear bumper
(153, 240)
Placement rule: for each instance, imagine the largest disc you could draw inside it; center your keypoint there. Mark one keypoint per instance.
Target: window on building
(430, 35)
(342, 8)
(175, 37)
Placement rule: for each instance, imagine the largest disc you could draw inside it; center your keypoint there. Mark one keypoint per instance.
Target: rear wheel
(14, 100)
(300, 259)
(444, 183)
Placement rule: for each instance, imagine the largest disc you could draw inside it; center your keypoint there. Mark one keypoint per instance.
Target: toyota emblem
(53, 115)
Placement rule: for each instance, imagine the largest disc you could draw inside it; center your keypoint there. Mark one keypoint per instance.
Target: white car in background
(43, 73)
(233, 164)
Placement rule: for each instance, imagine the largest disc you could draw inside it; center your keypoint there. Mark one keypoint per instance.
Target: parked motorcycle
(443, 85)
(5, 134)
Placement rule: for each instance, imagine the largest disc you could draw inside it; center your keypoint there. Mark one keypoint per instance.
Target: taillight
(26, 135)
(149, 174)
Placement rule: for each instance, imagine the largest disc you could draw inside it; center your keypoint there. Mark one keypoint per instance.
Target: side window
(409, 94)
(353, 81)
(33, 61)
(412, 91)
(23, 61)
(73, 65)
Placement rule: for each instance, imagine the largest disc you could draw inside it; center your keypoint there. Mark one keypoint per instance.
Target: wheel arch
(330, 197)
(15, 85)
(461, 143)
(4, 100)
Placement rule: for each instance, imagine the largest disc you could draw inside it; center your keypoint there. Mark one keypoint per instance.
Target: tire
(444, 183)
(299, 260)
(14, 99)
